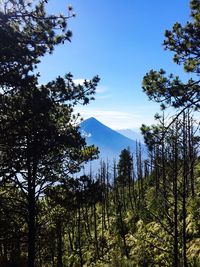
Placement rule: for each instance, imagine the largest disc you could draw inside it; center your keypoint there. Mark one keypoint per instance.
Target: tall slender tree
(39, 136)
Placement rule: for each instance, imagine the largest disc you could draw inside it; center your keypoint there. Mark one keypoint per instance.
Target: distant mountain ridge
(109, 142)
(131, 134)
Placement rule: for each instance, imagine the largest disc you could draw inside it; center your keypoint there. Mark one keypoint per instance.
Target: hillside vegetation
(134, 212)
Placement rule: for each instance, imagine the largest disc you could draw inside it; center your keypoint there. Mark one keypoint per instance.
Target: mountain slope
(109, 142)
(131, 134)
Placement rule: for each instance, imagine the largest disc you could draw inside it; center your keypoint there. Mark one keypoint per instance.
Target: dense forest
(137, 210)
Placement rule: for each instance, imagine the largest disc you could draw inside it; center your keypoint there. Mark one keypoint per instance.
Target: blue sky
(120, 41)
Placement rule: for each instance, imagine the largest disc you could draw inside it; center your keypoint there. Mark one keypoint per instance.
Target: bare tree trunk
(59, 243)
(123, 234)
(31, 216)
(31, 230)
(184, 191)
(79, 234)
(107, 195)
(95, 230)
(70, 239)
(175, 195)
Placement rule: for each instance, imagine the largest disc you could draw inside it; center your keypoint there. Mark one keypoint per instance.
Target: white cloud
(122, 117)
(104, 96)
(79, 81)
(107, 113)
(101, 89)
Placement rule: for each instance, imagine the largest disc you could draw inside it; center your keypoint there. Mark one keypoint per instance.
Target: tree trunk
(123, 234)
(59, 243)
(31, 229)
(184, 192)
(31, 210)
(95, 231)
(175, 195)
(79, 233)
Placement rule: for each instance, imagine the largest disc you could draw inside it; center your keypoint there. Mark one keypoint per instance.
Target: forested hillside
(113, 219)
(131, 212)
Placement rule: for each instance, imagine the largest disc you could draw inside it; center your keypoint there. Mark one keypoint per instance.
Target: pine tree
(39, 137)
(184, 42)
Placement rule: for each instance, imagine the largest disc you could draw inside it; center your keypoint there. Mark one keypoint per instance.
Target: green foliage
(184, 42)
(40, 141)
(71, 206)
(125, 167)
(91, 221)
(172, 200)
